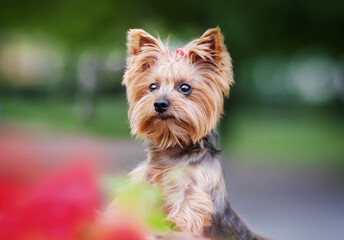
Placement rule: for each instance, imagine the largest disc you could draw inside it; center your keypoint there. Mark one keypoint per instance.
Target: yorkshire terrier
(175, 102)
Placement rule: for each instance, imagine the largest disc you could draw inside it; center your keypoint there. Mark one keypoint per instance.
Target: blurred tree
(252, 27)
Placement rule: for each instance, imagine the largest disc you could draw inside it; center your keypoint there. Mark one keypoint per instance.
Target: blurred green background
(61, 64)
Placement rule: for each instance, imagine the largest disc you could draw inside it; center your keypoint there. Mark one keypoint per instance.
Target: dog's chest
(186, 203)
(168, 176)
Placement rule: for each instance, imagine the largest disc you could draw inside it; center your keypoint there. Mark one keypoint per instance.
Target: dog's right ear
(139, 41)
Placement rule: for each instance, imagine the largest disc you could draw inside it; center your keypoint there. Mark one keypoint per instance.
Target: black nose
(161, 105)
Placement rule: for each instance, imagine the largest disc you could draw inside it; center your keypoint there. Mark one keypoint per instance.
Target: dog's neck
(192, 153)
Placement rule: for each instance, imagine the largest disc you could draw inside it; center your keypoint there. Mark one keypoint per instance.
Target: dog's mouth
(165, 117)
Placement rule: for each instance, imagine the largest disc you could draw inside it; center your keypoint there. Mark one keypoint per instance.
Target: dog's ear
(143, 49)
(138, 40)
(210, 53)
(209, 48)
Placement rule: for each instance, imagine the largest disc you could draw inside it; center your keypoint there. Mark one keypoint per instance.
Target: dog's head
(176, 98)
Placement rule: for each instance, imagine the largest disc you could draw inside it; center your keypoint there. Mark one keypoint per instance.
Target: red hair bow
(180, 52)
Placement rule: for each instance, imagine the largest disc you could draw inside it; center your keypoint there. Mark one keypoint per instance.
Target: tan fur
(182, 157)
(208, 70)
(186, 189)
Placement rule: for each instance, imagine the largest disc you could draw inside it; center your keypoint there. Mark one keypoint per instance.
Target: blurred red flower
(45, 196)
(59, 207)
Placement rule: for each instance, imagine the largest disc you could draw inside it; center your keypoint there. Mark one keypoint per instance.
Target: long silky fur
(208, 69)
(183, 160)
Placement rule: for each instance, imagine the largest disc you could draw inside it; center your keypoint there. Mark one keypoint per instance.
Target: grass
(109, 117)
(291, 136)
(263, 135)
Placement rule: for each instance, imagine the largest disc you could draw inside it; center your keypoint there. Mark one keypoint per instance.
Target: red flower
(58, 208)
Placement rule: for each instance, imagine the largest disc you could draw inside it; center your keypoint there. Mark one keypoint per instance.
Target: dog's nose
(161, 105)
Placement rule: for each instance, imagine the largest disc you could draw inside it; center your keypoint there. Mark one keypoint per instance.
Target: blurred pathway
(284, 204)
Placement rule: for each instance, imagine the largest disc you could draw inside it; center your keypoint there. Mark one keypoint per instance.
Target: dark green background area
(251, 27)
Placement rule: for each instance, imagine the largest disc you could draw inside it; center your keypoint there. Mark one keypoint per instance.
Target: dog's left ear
(209, 52)
(143, 50)
(208, 48)
(138, 41)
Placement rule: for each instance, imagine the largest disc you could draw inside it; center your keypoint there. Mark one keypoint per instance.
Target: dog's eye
(153, 86)
(185, 89)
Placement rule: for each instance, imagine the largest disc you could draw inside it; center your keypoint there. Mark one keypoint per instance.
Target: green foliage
(61, 114)
(252, 27)
(142, 199)
(291, 137)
